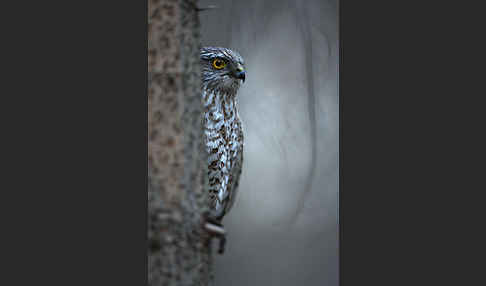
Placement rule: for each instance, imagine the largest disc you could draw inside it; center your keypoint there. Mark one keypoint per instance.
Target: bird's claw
(222, 243)
(216, 229)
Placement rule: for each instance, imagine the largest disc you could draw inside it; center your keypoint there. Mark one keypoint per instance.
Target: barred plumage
(223, 129)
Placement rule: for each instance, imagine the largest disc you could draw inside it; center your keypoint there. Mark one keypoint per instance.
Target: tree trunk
(179, 249)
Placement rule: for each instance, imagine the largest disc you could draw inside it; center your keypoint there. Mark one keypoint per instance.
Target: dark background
(283, 229)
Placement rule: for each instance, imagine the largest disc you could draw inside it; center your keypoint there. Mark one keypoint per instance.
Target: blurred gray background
(283, 228)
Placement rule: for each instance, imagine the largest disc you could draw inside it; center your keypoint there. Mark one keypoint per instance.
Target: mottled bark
(178, 251)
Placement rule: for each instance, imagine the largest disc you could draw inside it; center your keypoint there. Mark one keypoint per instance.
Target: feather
(223, 132)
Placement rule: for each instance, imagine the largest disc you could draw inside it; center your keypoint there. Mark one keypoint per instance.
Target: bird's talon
(216, 229)
(222, 243)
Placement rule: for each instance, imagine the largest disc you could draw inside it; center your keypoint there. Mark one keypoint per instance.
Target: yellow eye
(218, 64)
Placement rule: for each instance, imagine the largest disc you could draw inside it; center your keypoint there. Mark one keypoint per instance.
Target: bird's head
(222, 69)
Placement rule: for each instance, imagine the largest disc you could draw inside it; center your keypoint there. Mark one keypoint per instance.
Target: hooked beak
(240, 73)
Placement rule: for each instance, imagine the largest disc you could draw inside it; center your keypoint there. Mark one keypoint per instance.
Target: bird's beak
(240, 73)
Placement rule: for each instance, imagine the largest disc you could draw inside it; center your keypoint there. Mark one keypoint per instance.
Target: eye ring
(219, 63)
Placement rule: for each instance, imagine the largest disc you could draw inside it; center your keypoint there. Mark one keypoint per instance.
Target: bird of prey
(222, 74)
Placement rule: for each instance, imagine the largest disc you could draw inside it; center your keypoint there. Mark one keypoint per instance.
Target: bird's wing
(235, 174)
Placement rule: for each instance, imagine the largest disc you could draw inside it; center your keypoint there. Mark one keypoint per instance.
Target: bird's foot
(216, 229)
